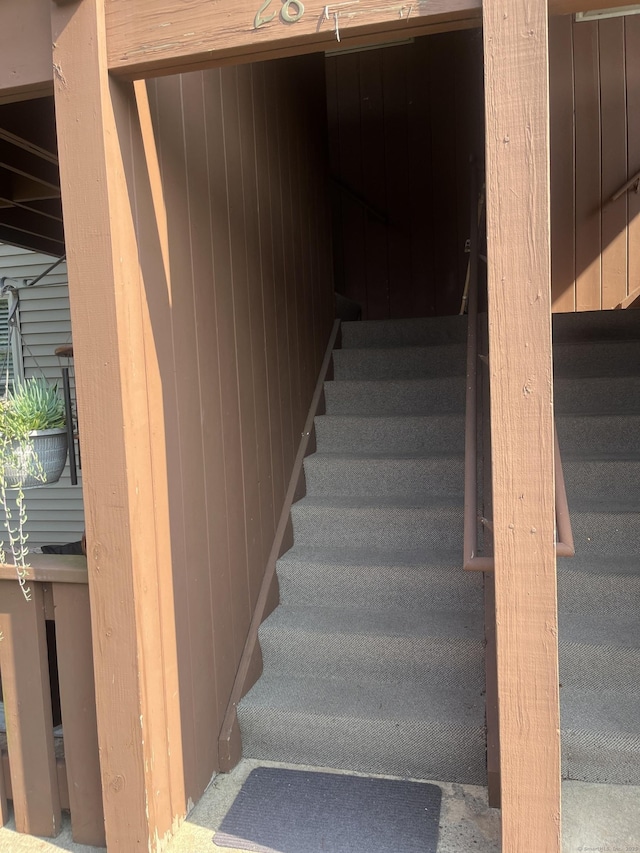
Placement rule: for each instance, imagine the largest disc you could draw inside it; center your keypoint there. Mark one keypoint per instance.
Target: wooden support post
(117, 289)
(27, 703)
(77, 698)
(519, 291)
(4, 806)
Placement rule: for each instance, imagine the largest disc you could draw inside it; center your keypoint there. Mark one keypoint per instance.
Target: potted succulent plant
(33, 452)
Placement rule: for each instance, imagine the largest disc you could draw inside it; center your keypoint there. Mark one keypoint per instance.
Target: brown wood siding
(26, 69)
(403, 122)
(242, 154)
(595, 146)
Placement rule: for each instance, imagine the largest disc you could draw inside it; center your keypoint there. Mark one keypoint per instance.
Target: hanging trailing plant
(33, 450)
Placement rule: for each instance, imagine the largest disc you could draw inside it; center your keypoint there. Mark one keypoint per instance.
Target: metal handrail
(471, 558)
(564, 536)
(360, 199)
(632, 182)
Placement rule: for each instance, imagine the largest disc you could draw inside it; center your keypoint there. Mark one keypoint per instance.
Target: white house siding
(55, 512)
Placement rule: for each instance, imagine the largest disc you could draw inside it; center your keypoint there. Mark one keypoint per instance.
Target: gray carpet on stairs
(597, 401)
(374, 659)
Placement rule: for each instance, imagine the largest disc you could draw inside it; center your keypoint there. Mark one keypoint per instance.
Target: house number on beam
(286, 13)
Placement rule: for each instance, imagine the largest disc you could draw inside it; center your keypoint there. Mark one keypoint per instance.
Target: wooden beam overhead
(25, 189)
(29, 165)
(26, 70)
(14, 237)
(515, 36)
(49, 207)
(146, 37)
(159, 37)
(570, 7)
(32, 223)
(31, 125)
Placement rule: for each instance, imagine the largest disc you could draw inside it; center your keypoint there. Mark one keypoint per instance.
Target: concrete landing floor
(596, 819)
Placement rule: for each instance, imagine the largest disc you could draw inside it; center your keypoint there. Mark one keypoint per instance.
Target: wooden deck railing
(40, 773)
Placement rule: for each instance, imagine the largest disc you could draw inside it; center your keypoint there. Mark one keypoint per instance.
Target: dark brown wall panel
(595, 148)
(244, 173)
(403, 122)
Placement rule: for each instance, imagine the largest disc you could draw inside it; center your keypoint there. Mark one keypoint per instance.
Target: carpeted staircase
(374, 660)
(597, 401)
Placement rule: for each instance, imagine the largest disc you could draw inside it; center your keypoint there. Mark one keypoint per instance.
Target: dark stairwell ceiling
(30, 206)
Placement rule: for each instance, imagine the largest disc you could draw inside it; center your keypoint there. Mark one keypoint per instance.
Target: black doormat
(294, 811)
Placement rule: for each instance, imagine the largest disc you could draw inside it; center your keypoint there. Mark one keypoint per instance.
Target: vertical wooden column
(4, 806)
(518, 232)
(25, 678)
(77, 698)
(121, 397)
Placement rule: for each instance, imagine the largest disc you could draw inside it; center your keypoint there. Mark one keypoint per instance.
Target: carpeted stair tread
(601, 711)
(600, 667)
(395, 397)
(384, 728)
(598, 433)
(616, 631)
(582, 753)
(390, 433)
(351, 578)
(614, 395)
(371, 623)
(599, 564)
(404, 333)
(588, 326)
(400, 363)
(392, 504)
(464, 707)
(392, 523)
(597, 359)
(601, 529)
(383, 475)
(597, 402)
(613, 479)
(427, 647)
(599, 588)
(600, 735)
(427, 733)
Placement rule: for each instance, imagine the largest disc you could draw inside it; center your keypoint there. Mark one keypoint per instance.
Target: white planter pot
(49, 447)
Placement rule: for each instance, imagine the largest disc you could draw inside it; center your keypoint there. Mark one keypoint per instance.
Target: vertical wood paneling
(228, 551)
(200, 316)
(563, 222)
(350, 174)
(614, 161)
(373, 184)
(403, 122)
(189, 512)
(333, 127)
(588, 168)
(593, 68)
(422, 203)
(250, 315)
(443, 164)
(396, 147)
(265, 236)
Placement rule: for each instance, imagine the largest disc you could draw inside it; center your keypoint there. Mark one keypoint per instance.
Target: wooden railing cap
(51, 568)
